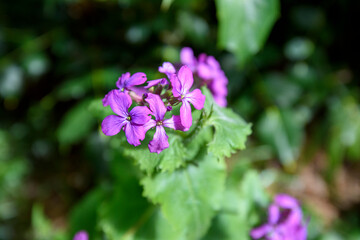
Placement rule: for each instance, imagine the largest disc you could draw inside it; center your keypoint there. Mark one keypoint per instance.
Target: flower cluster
(208, 69)
(284, 221)
(154, 100)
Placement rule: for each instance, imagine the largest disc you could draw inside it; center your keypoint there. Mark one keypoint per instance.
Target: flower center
(159, 123)
(122, 89)
(182, 96)
(128, 118)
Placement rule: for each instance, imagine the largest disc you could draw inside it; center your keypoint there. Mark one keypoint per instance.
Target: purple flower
(284, 221)
(132, 121)
(126, 83)
(81, 235)
(167, 68)
(161, 81)
(187, 57)
(158, 109)
(208, 69)
(181, 83)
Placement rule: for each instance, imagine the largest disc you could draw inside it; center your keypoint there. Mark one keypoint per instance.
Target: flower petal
(81, 235)
(187, 57)
(151, 83)
(140, 115)
(160, 140)
(273, 214)
(176, 86)
(186, 79)
(175, 123)
(204, 71)
(134, 133)
(105, 100)
(286, 201)
(120, 103)
(167, 68)
(150, 124)
(112, 125)
(136, 79)
(196, 98)
(260, 232)
(185, 114)
(157, 106)
(121, 81)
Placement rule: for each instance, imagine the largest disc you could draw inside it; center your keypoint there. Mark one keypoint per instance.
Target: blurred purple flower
(126, 83)
(168, 69)
(284, 221)
(181, 83)
(132, 121)
(158, 109)
(208, 69)
(161, 81)
(81, 235)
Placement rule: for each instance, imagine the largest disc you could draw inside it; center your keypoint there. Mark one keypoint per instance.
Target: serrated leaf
(245, 24)
(231, 131)
(168, 160)
(76, 124)
(190, 196)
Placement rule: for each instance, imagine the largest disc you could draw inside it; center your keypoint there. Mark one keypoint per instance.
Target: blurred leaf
(231, 130)
(189, 197)
(42, 227)
(76, 124)
(121, 215)
(245, 24)
(299, 49)
(194, 27)
(344, 137)
(283, 131)
(278, 89)
(98, 110)
(84, 214)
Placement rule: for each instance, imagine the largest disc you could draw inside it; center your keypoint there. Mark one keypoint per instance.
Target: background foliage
(293, 72)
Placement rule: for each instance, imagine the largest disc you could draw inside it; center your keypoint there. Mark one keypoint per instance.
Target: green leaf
(190, 196)
(344, 134)
(231, 130)
(42, 227)
(245, 24)
(238, 213)
(168, 160)
(125, 211)
(84, 214)
(98, 110)
(76, 124)
(283, 131)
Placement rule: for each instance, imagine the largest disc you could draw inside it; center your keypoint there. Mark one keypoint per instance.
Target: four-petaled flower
(284, 221)
(132, 121)
(158, 109)
(182, 83)
(126, 83)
